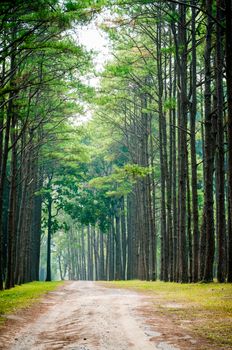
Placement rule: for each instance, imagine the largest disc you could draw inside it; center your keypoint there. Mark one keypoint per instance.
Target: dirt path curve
(88, 316)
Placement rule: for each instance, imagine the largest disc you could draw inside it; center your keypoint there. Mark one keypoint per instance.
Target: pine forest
(127, 179)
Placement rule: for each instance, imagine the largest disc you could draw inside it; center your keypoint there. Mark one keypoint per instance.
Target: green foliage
(120, 181)
(93, 168)
(89, 207)
(119, 70)
(169, 104)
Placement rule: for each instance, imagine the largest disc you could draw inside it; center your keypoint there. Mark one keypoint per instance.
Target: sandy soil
(89, 316)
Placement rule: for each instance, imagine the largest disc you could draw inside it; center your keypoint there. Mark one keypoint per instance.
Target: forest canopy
(127, 178)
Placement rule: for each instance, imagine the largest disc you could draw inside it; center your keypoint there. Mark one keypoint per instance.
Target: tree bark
(228, 14)
(220, 167)
(49, 237)
(193, 111)
(209, 156)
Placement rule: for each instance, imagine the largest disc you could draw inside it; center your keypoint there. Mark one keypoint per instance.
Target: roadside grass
(20, 297)
(207, 307)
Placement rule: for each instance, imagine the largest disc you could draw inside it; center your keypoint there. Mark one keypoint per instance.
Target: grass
(207, 306)
(23, 296)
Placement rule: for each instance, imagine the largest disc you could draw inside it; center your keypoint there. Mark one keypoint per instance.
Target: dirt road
(87, 316)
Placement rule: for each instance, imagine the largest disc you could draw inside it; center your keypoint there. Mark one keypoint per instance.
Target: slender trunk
(220, 171)
(164, 267)
(129, 237)
(189, 226)
(174, 178)
(209, 156)
(96, 260)
(183, 257)
(49, 226)
(111, 258)
(5, 155)
(153, 208)
(124, 240)
(193, 111)
(170, 181)
(90, 254)
(102, 258)
(228, 32)
(37, 220)
(118, 265)
(12, 210)
(2, 119)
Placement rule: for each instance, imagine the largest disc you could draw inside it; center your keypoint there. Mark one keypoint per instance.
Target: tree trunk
(209, 156)
(124, 240)
(5, 154)
(118, 266)
(90, 255)
(228, 15)
(183, 257)
(164, 267)
(193, 111)
(49, 226)
(102, 258)
(220, 171)
(12, 209)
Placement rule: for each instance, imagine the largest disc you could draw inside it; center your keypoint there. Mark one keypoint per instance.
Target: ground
(91, 316)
